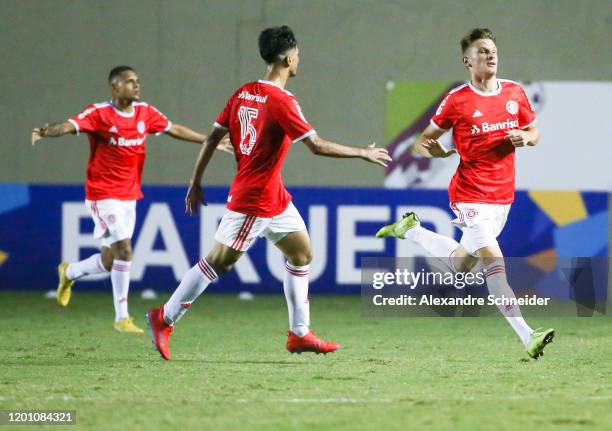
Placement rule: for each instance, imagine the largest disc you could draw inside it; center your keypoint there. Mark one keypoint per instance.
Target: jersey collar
(123, 114)
(488, 93)
(263, 81)
(274, 84)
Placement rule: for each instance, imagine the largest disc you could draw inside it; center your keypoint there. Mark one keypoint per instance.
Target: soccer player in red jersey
(263, 120)
(490, 118)
(117, 132)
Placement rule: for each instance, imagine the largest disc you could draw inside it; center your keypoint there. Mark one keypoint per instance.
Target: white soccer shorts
(114, 219)
(481, 224)
(239, 231)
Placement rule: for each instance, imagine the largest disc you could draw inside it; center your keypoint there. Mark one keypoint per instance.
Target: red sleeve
(88, 121)
(289, 115)
(156, 121)
(446, 116)
(526, 114)
(223, 118)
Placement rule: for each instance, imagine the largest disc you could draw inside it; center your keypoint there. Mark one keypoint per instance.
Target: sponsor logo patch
(122, 142)
(492, 127)
(254, 97)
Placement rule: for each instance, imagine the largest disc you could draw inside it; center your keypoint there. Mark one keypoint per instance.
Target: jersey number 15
(248, 134)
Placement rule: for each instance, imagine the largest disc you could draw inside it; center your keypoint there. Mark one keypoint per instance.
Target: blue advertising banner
(42, 225)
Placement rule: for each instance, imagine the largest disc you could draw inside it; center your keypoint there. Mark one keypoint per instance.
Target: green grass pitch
(230, 370)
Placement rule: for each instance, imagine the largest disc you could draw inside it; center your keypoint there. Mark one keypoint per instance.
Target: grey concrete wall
(192, 54)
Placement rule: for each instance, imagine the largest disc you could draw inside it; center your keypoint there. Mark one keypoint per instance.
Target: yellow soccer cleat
(127, 325)
(539, 339)
(399, 228)
(64, 287)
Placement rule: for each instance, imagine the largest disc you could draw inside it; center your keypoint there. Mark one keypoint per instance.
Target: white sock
(192, 285)
(436, 245)
(498, 287)
(120, 279)
(91, 265)
(296, 292)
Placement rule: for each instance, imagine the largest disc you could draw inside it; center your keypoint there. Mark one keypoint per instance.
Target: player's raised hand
(519, 138)
(376, 155)
(225, 145)
(195, 197)
(436, 149)
(39, 132)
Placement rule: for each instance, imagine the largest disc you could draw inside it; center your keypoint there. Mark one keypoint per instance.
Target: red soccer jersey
(117, 147)
(480, 122)
(263, 120)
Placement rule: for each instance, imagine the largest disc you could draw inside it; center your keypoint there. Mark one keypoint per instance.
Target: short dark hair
(475, 34)
(274, 41)
(117, 71)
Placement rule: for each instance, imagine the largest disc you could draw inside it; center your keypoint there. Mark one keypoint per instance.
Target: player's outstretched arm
(519, 138)
(195, 194)
(428, 145)
(52, 131)
(371, 153)
(184, 133)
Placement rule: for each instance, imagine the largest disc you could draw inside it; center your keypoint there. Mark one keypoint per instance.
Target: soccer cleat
(309, 343)
(160, 331)
(538, 339)
(127, 325)
(399, 228)
(64, 287)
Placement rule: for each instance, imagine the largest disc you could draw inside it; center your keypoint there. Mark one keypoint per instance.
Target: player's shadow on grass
(23, 363)
(208, 361)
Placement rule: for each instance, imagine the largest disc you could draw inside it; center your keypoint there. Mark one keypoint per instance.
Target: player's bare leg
(492, 260)
(296, 248)
(120, 279)
(463, 261)
(107, 258)
(223, 258)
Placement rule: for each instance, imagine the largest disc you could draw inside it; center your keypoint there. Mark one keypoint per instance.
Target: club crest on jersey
(512, 107)
(140, 127)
